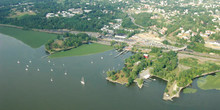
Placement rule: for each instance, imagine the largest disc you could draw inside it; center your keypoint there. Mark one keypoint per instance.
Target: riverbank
(37, 38)
(56, 31)
(116, 81)
(171, 95)
(175, 85)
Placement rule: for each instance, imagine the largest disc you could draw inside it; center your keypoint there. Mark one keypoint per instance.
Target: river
(33, 90)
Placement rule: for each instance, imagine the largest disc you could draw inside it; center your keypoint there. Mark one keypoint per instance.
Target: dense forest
(165, 63)
(133, 65)
(68, 41)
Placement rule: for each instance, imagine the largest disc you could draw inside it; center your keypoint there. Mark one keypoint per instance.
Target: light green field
(189, 90)
(32, 38)
(209, 82)
(85, 49)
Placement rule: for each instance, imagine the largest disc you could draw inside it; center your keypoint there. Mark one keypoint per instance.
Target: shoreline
(167, 97)
(139, 85)
(60, 31)
(110, 80)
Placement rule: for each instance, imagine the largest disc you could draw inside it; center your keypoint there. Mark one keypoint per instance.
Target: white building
(121, 36)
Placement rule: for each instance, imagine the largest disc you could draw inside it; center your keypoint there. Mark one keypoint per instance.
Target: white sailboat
(51, 79)
(51, 69)
(82, 81)
(26, 69)
(65, 73)
(18, 62)
(30, 61)
(101, 57)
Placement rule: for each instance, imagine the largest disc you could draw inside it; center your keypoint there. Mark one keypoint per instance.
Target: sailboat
(18, 62)
(51, 79)
(82, 81)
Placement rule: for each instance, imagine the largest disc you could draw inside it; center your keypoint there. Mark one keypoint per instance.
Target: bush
(166, 42)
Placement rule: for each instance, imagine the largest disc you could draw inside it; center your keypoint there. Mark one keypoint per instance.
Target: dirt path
(133, 21)
(214, 56)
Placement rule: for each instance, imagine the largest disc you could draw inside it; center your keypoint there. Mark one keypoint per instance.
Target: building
(146, 55)
(50, 15)
(76, 11)
(122, 36)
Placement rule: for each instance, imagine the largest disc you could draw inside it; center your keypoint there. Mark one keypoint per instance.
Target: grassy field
(32, 38)
(189, 90)
(83, 50)
(209, 82)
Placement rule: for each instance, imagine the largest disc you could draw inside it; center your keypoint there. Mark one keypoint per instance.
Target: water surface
(33, 90)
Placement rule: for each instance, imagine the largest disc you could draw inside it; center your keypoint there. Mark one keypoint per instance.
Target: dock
(122, 52)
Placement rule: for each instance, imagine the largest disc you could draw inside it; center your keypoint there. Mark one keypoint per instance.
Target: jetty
(122, 52)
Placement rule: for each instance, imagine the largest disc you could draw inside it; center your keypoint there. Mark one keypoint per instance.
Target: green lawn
(189, 90)
(85, 49)
(209, 82)
(32, 38)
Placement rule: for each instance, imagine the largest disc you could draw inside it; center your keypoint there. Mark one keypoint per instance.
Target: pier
(122, 52)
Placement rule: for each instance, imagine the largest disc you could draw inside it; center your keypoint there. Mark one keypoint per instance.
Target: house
(87, 11)
(50, 15)
(76, 11)
(146, 55)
